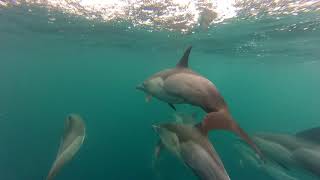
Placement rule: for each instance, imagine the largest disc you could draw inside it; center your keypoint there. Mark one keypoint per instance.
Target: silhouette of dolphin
(181, 85)
(72, 139)
(188, 142)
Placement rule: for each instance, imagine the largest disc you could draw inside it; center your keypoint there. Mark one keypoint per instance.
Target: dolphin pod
(188, 142)
(181, 85)
(300, 151)
(71, 141)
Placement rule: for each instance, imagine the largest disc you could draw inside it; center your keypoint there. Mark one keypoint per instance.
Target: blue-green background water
(270, 79)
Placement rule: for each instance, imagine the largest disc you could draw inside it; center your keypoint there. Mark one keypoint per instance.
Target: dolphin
(276, 172)
(270, 168)
(190, 144)
(307, 153)
(300, 151)
(309, 159)
(276, 152)
(181, 85)
(72, 139)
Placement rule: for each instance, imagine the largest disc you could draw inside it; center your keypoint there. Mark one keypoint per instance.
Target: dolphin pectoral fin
(157, 152)
(221, 120)
(312, 134)
(158, 149)
(172, 106)
(148, 98)
(184, 61)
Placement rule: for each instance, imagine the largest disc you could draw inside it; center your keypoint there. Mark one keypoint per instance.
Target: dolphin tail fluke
(221, 120)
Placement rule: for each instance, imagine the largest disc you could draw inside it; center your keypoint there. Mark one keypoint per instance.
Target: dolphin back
(312, 134)
(202, 164)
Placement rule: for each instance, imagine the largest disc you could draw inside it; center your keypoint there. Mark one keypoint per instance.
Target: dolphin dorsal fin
(183, 63)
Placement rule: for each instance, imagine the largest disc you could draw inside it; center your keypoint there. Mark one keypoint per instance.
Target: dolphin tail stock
(57, 165)
(53, 171)
(50, 176)
(221, 120)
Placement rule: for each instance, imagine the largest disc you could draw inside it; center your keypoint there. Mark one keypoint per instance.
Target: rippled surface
(232, 28)
(178, 15)
(58, 57)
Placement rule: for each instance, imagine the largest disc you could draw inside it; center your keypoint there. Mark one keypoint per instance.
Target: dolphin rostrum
(181, 85)
(71, 141)
(192, 146)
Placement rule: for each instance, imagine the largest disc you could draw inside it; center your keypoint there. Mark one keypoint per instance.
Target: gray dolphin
(309, 159)
(305, 148)
(189, 143)
(72, 139)
(181, 85)
(273, 170)
(296, 151)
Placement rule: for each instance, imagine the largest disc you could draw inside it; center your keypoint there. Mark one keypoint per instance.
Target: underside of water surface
(87, 56)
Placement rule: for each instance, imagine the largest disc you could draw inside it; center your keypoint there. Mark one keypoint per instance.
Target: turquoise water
(269, 78)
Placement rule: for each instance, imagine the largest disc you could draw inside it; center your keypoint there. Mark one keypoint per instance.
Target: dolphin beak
(156, 128)
(140, 87)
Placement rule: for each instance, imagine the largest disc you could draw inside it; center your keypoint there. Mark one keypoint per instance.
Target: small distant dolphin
(304, 147)
(270, 168)
(300, 151)
(181, 85)
(192, 146)
(72, 139)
